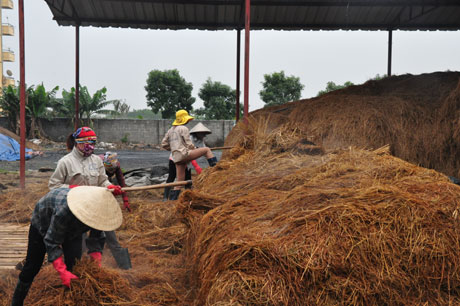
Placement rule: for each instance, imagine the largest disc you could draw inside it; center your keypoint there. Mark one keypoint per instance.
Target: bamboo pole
(158, 186)
(221, 148)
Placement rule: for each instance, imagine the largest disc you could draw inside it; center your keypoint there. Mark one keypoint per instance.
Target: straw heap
(297, 214)
(359, 227)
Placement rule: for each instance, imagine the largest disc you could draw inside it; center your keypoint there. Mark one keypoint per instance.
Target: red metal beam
(247, 21)
(238, 64)
(77, 76)
(22, 97)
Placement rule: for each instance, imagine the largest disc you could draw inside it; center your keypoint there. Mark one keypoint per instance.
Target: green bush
(124, 139)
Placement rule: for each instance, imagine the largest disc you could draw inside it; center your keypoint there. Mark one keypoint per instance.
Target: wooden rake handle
(158, 186)
(221, 148)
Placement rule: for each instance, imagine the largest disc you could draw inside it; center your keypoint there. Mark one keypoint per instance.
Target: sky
(120, 59)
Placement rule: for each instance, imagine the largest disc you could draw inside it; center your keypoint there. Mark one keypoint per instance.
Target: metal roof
(265, 14)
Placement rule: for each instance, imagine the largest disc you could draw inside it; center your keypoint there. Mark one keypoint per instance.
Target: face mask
(87, 150)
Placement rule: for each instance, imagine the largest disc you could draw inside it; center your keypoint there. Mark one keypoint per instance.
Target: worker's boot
(212, 161)
(122, 258)
(174, 194)
(166, 194)
(20, 293)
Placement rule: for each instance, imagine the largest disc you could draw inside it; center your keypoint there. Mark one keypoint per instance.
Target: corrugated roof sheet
(265, 14)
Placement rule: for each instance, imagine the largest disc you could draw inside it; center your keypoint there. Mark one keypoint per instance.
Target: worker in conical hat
(177, 140)
(197, 134)
(58, 222)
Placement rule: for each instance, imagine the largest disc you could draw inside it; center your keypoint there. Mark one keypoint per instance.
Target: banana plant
(94, 104)
(38, 105)
(89, 105)
(38, 102)
(121, 108)
(9, 103)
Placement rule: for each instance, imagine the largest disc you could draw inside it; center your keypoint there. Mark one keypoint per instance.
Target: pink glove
(72, 186)
(196, 166)
(97, 257)
(116, 189)
(65, 275)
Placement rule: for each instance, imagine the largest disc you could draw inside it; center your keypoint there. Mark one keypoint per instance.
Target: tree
(167, 92)
(121, 108)
(219, 101)
(145, 113)
(331, 86)
(38, 102)
(90, 105)
(9, 103)
(94, 104)
(279, 89)
(379, 77)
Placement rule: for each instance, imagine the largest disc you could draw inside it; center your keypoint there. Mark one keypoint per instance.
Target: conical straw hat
(95, 207)
(200, 128)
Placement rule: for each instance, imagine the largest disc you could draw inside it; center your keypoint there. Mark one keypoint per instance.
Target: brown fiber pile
(418, 116)
(298, 213)
(361, 228)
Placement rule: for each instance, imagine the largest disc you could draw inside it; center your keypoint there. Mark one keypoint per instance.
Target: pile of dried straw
(417, 115)
(296, 214)
(351, 227)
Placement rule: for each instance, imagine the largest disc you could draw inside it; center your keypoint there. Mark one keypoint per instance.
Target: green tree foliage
(9, 103)
(219, 101)
(379, 77)
(145, 113)
(38, 103)
(279, 89)
(331, 86)
(167, 92)
(120, 108)
(90, 105)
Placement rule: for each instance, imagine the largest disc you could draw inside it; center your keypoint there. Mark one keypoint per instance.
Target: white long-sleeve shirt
(75, 169)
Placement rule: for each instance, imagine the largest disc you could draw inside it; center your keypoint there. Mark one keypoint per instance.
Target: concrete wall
(135, 130)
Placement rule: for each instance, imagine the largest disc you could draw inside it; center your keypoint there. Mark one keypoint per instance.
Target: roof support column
(238, 62)
(22, 98)
(247, 21)
(390, 47)
(77, 76)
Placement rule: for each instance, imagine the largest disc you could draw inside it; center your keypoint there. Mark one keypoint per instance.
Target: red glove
(97, 257)
(196, 166)
(126, 201)
(72, 186)
(65, 275)
(116, 189)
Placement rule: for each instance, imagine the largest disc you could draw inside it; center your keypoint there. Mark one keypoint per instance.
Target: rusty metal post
(22, 97)
(390, 47)
(247, 21)
(238, 63)
(77, 76)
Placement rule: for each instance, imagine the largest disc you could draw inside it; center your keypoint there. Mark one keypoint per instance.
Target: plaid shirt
(56, 223)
